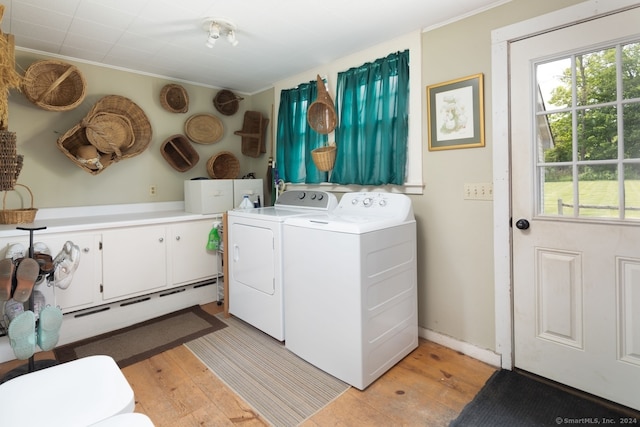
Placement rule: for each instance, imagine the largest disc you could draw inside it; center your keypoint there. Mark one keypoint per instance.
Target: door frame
(500, 41)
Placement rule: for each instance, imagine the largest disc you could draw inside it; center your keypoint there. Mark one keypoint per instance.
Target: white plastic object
(246, 202)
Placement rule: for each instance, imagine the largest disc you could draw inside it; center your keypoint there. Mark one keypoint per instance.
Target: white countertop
(57, 220)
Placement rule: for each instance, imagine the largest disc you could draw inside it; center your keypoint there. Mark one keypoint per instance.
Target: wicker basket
(179, 153)
(174, 98)
(109, 133)
(226, 102)
(140, 124)
(17, 216)
(54, 85)
(204, 128)
(223, 165)
(70, 143)
(10, 162)
(324, 157)
(321, 114)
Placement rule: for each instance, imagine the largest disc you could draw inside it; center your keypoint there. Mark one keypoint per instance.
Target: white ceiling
(277, 38)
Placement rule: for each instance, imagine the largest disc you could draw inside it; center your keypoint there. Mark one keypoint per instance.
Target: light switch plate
(478, 191)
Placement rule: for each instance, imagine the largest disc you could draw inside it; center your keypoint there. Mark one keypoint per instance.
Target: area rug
(284, 389)
(513, 399)
(143, 340)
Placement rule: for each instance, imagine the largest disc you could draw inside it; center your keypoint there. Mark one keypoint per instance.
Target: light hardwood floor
(427, 388)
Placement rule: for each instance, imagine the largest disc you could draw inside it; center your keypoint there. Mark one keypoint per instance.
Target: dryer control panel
(318, 200)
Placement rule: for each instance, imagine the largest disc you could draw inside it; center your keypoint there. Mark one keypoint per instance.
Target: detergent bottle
(246, 202)
(213, 244)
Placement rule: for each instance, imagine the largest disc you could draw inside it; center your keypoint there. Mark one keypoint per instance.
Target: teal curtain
(295, 137)
(372, 133)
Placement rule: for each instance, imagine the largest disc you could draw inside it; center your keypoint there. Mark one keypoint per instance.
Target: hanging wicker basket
(321, 114)
(324, 157)
(223, 165)
(54, 85)
(226, 102)
(17, 216)
(174, 98)
(10, 162)
(179, 153)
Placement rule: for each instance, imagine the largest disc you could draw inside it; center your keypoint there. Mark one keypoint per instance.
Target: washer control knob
(354, 201)
(367, 202)
(383, 203)
(320, 196)
(313, 196)
(302, 195)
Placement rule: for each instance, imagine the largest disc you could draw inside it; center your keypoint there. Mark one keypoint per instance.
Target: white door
(575, 205)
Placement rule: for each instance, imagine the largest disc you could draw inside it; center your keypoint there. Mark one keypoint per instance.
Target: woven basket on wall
(10, 162)
(71, 141)
(140, 124)
(223, 165)
(179, 153)
(54, 85)
(174, 98)
(226, 102)
(109, 133)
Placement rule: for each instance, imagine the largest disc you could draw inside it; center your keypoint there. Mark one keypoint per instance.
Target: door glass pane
(598, 191)
(553, 81)
(596, 77)
(557, 191)
(631, 120)
(631, 70)
(554, 137)
(632, 191)
(597, 130)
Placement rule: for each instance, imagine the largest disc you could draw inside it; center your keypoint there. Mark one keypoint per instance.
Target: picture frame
(455, 113)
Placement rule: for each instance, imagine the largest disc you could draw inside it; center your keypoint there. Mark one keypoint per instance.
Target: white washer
(351, 286)
(255, 257)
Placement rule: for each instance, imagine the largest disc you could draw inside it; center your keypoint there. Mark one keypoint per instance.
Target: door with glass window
(575, 143)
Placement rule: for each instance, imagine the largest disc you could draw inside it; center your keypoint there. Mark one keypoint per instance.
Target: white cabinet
(125, 262)
(188, 258)
(145, 259)
(84, 290)
(133, 261)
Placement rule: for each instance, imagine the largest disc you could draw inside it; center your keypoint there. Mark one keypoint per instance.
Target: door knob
(522, 224)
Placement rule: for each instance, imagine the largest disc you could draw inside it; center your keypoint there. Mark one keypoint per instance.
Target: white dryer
(351, 286)
(256, 253)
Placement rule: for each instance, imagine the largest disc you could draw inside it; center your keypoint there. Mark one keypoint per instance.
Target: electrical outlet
(478, 191)
(153, 191)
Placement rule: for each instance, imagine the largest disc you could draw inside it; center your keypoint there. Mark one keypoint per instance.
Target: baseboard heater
(145, 298)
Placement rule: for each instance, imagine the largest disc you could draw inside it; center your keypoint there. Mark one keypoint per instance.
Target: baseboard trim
(482, 354)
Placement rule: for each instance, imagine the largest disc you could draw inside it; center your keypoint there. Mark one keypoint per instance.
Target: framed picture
(455, 113)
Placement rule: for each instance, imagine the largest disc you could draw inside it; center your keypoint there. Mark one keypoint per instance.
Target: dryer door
(252, 257)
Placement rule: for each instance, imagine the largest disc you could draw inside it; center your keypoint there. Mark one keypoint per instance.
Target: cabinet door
(189, 259)
(84, 290)
(133, 261)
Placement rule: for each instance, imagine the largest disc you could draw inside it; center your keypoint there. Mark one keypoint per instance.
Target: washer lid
(351, 224)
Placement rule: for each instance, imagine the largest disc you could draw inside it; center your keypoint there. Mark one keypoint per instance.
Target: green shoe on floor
(49, 328)
(22, 335)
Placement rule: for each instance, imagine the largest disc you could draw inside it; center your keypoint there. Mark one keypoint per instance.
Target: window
(372, 133)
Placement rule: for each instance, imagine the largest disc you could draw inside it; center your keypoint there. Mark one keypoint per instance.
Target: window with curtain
(372, 132)
(372, 103)
(296, 139)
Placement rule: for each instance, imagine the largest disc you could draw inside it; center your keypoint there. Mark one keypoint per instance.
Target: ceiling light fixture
(217, 28)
